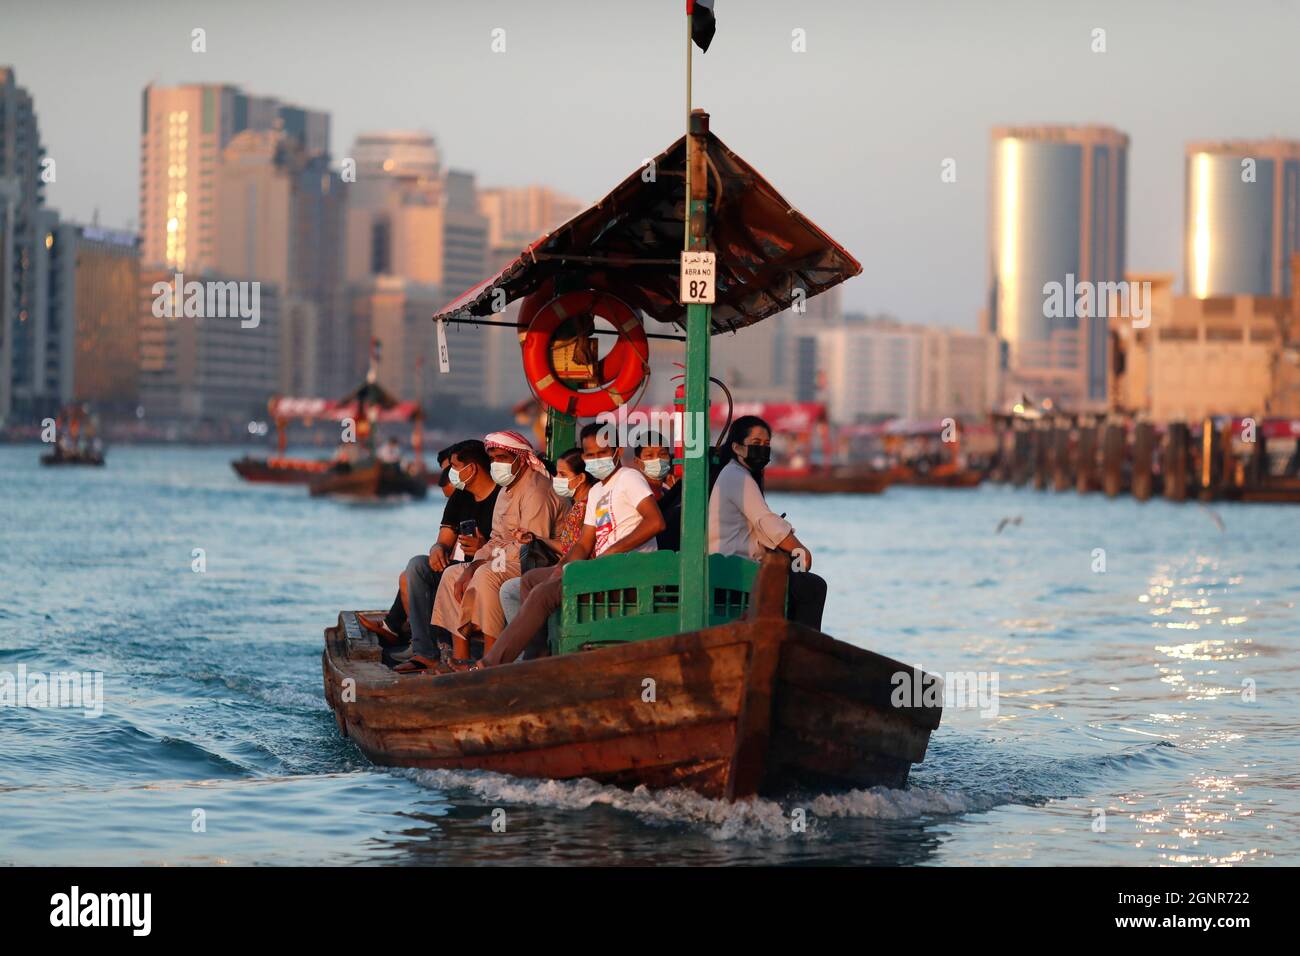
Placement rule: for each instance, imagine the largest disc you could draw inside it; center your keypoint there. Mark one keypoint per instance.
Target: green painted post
(694, 596)
(561, 434)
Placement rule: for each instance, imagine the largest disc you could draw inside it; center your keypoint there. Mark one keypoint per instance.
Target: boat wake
(757, 820)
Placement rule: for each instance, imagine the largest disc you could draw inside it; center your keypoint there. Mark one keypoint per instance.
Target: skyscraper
(1242, 221)
(28, 369)
(1057, 215)
(281, 222)
(183, 131)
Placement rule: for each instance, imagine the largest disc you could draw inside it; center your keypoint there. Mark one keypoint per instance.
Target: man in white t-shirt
(622, 516)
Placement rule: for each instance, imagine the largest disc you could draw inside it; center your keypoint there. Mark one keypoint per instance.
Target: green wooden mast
(694, 595)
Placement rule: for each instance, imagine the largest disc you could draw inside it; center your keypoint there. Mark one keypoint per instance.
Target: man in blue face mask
(621, 516)
(468, 602)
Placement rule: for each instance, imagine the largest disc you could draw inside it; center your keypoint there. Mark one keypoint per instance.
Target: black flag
(703, 25)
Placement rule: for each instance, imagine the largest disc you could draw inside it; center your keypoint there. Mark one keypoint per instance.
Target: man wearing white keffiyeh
(468, 600)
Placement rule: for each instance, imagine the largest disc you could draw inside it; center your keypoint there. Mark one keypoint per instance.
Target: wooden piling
(1061, 456)
(1144, 444)
(1112, 458)
(1041, 445)
(1022, 456)
(1085, 458)
(1175, 465)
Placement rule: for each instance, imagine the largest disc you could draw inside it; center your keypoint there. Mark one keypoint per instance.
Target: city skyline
(889, 205)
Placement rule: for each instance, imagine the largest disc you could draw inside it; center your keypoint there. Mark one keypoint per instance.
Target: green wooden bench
(634, 597)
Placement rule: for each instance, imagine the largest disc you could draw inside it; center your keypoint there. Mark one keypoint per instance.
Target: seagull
(1213, 517)
(1006, 521)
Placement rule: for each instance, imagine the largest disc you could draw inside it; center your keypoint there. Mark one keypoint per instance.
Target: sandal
(380, 628)
(418, 664)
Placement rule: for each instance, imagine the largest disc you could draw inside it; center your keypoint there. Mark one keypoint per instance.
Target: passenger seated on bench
(740, 521)
(621, 516)
(473, 498)
(467, 601)
(571, 483)
(655, 459)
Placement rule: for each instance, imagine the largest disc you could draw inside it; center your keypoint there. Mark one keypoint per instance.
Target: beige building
(759, 363)
(281, 222)
(105, 368)
(1219, 355)
(210, 369)
(184, 130)
(866, 369)
(517, 215)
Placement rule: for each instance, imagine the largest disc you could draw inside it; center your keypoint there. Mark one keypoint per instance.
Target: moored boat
(845, 480)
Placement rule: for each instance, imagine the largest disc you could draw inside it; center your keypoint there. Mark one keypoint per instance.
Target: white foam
(746, 821)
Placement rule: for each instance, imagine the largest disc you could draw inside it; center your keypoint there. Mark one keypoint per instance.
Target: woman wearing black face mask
(740, 522)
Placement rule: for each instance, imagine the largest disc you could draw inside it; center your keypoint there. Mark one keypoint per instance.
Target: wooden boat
(758, 706)
(942, 476)
(831, 481)
(281, 471)
(76, 444)
(79, 457)
(364, 407)
(369, 479)
(668, 668)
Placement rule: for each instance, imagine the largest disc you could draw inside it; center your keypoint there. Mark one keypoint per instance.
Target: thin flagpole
(686, 226)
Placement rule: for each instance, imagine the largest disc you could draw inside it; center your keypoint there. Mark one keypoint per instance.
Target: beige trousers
(481, 604)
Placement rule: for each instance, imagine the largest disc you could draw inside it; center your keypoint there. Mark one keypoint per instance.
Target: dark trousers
(806, 598)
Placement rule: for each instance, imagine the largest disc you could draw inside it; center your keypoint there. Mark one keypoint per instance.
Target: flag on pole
(703, 23)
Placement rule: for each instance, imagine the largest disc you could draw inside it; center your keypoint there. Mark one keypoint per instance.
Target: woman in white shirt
(740, 521)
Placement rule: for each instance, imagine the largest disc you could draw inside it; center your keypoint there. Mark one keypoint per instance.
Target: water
(1120, 691)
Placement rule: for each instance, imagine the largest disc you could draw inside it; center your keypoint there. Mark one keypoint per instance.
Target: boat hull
(372, 480)
(752, 707)
(89, 459)
(292, 472)
(828, 483)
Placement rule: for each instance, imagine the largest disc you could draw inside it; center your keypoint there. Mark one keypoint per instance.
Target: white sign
(699, 270)
(444, 359)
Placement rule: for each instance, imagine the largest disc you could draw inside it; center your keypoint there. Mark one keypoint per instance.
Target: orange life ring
(536, 346)
(611, 366)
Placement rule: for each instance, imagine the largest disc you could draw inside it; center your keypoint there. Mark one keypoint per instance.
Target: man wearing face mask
(621, 516)
(655, 460)
(472, 500)
(468, 602)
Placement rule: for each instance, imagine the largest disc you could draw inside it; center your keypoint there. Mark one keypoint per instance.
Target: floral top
(569, 528)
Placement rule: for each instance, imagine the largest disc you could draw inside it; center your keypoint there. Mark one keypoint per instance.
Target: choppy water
(1120, 691)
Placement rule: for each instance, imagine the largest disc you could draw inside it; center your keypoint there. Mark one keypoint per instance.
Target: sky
(854, 130)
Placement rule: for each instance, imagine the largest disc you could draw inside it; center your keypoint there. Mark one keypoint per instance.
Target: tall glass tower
(1242, 217)
(1057, 215)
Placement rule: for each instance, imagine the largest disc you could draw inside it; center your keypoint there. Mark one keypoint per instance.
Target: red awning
(329, 409)
(630, 243)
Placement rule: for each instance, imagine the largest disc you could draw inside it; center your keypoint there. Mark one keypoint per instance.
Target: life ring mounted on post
(621, 372)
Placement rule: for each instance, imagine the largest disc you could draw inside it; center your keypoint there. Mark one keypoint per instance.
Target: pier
(1216, 459)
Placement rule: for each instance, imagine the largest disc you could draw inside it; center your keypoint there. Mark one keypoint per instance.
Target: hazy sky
(853, 131)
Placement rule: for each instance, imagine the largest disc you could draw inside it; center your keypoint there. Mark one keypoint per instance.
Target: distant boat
(369, 479)
(76, 442)
(845, 480)
(60, 457)
(365, 476)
